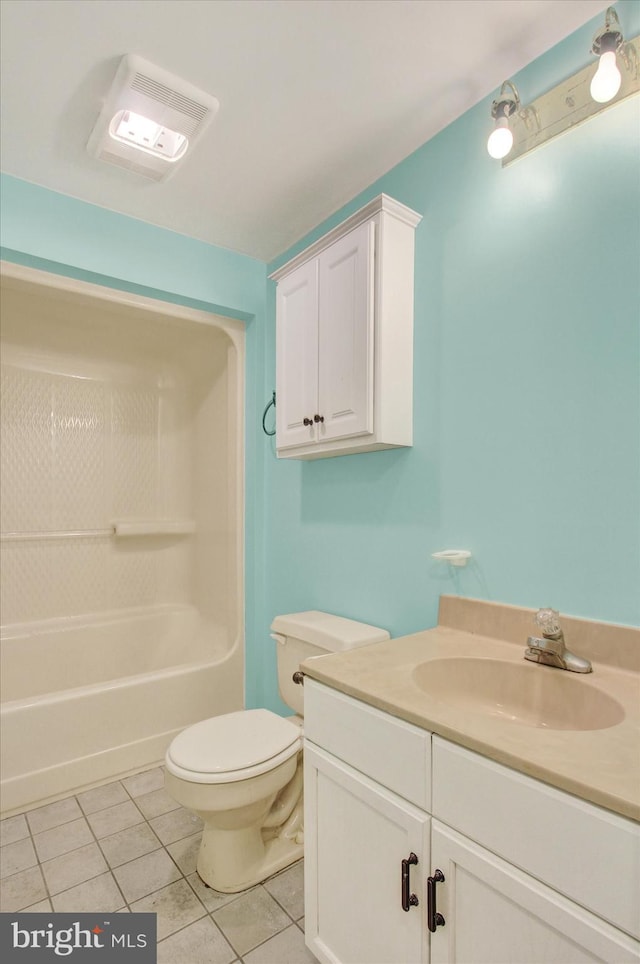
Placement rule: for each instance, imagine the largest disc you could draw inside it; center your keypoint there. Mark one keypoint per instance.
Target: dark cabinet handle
(408, 899)
(434, 919)
(307, 421)
(318, 418)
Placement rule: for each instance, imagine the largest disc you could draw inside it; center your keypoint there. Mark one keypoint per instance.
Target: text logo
(79, 938)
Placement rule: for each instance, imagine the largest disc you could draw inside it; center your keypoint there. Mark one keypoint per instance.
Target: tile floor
(128, 846)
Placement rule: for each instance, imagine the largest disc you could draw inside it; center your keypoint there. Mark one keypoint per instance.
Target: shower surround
(121, 484)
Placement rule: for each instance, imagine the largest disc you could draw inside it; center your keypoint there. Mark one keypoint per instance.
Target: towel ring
(264, 415)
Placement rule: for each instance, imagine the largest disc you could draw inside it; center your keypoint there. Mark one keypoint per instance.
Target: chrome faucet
(550, 648)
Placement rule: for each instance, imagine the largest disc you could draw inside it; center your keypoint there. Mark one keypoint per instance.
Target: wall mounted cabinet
(344, 337)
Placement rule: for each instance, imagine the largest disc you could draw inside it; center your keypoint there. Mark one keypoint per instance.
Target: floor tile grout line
(111, 869)
(265, 941)
(39, 862)
(183, 874)
(126, 862)
(83, 813)
(97, 842)
(33, 844)
(189, 924)
(183, 877)
(210, 913)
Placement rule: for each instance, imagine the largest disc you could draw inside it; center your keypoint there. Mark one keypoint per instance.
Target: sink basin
(523, 693)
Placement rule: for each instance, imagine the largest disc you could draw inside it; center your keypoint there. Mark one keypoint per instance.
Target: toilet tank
(301, 635)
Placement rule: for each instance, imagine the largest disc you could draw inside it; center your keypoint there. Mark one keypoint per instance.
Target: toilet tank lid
(332, 633)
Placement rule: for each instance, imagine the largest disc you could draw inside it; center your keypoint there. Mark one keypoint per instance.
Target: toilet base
(219, 867)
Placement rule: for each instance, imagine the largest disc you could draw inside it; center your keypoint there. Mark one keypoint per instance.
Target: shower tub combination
(121, 479)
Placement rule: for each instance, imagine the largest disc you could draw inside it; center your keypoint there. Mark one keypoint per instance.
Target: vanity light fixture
(520, 129)
(500, 140)
(606, 44)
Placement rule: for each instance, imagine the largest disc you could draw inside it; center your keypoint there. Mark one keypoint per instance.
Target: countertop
(598, 765)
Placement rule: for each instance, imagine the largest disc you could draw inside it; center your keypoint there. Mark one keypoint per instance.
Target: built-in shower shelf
(124, 528)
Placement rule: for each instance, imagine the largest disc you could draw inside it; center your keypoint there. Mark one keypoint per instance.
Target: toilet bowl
(232, 771)
(242, 772)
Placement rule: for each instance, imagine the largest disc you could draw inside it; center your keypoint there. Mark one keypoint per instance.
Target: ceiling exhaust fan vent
(150, 119)
(192, 112)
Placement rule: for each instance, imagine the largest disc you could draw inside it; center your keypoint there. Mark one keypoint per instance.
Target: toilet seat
(235, 746)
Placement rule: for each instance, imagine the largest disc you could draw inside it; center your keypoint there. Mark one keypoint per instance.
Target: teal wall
(44, 229)
(526, 385)
(527, 406)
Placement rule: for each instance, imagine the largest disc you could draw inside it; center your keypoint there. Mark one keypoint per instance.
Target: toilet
(242, 772)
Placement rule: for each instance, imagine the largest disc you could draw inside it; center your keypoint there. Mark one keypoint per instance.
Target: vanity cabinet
(344, 338)
(361, 843)
(496, 914)
(530, 873)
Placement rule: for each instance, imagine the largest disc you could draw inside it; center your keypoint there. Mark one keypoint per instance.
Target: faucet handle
(549, 621)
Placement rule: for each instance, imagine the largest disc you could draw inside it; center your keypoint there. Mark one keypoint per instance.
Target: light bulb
(607, 78)
(147, 135)
(500, 140)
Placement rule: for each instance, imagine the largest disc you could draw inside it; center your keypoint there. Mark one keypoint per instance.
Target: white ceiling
(318, 98)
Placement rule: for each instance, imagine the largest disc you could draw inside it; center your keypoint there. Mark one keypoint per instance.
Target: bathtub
(119, 689)
(121, 565)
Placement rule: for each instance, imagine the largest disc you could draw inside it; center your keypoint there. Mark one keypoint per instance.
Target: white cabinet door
(495, 914)
(345, 359)
(346, 335)
(356, 836)
(297, 356)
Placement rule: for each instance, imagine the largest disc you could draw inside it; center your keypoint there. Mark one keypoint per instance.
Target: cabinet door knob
(307, 421)
(318, 418)
(434, 919)
(408, 900)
